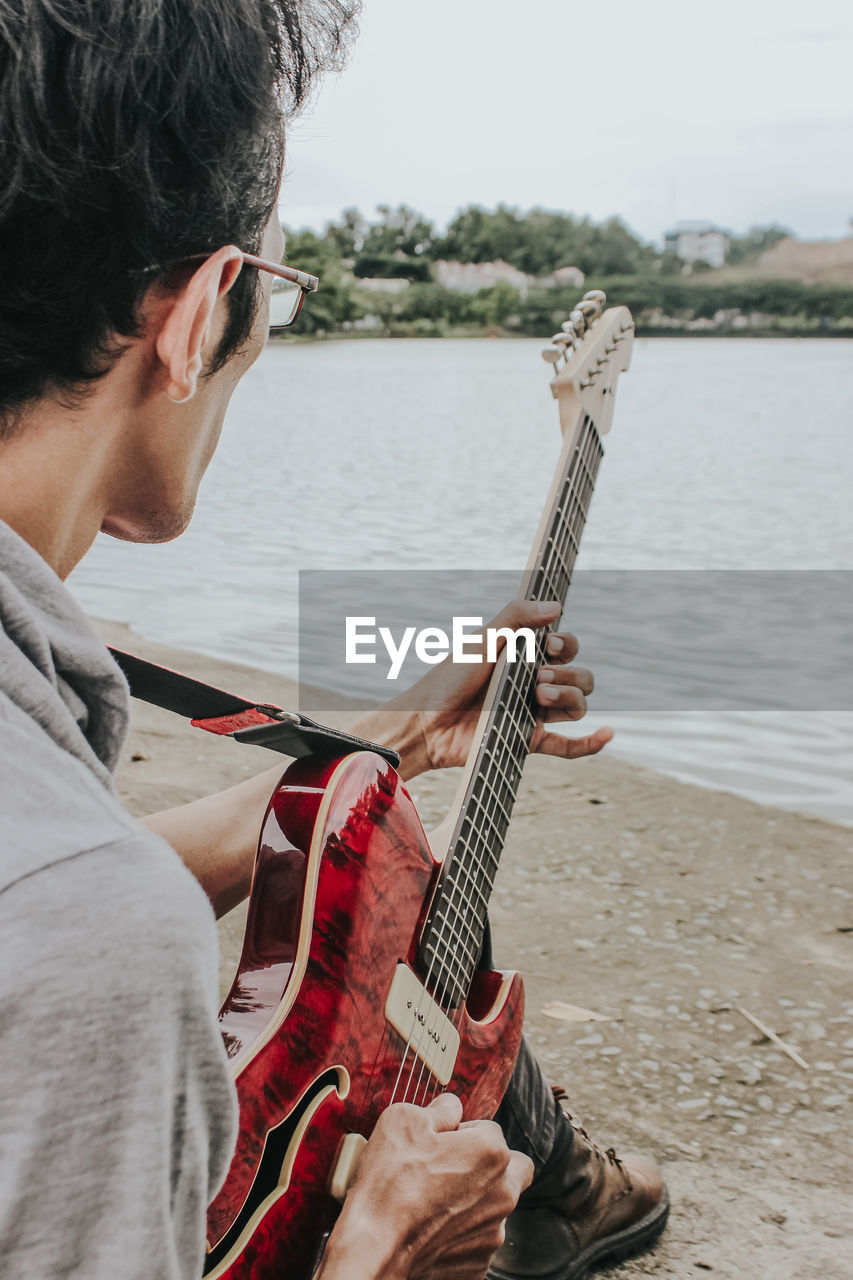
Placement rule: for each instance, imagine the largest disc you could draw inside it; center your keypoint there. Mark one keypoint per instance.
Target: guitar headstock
(588, 354)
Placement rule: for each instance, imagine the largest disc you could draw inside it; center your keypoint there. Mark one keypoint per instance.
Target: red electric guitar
(359, 984)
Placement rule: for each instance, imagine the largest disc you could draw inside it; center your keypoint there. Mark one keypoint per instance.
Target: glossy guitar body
(343, 879)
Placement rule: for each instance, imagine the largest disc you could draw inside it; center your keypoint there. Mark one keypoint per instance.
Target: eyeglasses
(289, 287)
(289, 290)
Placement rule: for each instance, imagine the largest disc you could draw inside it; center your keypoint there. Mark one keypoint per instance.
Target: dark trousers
(530, 1118)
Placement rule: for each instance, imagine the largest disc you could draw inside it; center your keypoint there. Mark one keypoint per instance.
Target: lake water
(725, 455)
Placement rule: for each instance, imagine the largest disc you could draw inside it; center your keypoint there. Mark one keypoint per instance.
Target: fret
(498, 800)
(449, 926)
(554, 592)
(456, 921)
(585, 457)
(512, 713)
(469, 841)
(579, 508)
(472, 884)
(465, 933)
(474, 834)
(570, 525)
(452, 988)
(556, 553)
(482, 816)
(569, 515)
(451, 917)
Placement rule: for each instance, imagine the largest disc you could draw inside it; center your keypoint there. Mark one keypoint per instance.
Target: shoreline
(664, 907)
(406, 334)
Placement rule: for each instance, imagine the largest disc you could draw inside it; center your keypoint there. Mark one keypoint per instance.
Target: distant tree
(540, 241)
(349, 234)
(478, 235)
(495, 306)
(334, 302)
(392, 266)
(400, 230)
(669, 264)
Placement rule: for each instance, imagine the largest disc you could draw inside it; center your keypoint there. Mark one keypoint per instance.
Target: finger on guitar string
(562, 646)
(527, 613)
(576, 677)
(464, 1249)
(560, 701)
(430, 1195)
(445, 1112)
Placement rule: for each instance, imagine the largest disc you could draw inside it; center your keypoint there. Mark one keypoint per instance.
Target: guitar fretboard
(453, 935)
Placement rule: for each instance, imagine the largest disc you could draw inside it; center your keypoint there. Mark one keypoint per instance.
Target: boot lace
(562, 1099)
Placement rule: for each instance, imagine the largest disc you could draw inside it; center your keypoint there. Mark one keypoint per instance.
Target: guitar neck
(453, 935)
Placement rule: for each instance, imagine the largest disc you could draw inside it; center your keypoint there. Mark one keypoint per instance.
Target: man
(141, 148)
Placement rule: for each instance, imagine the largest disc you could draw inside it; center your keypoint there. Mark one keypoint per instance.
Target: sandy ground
(663, 907)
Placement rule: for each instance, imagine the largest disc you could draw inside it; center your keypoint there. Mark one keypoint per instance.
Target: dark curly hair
(133, 133)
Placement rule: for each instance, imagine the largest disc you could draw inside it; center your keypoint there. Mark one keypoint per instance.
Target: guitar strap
(260, 724)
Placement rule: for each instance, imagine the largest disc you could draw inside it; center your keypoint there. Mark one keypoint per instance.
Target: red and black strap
(256, 723)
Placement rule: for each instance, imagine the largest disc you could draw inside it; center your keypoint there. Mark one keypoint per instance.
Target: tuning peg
(578, 321)
(561, 339)
(552, 355)
(596, 295)
(590, 309)
(569, 328)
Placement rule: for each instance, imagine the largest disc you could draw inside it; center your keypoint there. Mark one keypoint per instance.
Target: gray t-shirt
(117, 1111)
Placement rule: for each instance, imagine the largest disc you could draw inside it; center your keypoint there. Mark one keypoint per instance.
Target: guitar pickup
(422, 1023)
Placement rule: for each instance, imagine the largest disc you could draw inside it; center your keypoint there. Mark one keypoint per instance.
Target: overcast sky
(737, 111)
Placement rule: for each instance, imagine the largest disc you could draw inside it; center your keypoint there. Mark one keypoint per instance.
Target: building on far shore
(697, 242)
(562, 278)
(470, 277)
(376, 284)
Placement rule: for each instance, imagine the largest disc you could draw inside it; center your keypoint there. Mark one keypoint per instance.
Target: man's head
(134, 133)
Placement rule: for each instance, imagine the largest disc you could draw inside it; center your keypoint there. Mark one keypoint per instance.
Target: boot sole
(610, 1249)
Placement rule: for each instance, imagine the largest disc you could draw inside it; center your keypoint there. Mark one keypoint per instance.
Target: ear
(187, 326)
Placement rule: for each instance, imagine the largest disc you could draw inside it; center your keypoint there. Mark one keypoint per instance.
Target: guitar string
(522, 676)
(499, 744)
(461, 959)
(455, 966)
(490, 801)
(456, 956)
(544, 587)
(555, 547)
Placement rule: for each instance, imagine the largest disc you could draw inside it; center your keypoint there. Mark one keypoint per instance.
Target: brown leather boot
(593, 1209)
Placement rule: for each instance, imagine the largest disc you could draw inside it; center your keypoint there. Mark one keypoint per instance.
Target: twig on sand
(771, 1035)
(572, 1013)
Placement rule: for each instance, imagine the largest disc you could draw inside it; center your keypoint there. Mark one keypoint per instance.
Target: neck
(54, 488)
(453, 934)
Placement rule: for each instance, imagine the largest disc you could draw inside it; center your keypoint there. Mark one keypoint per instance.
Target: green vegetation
(401, 245)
